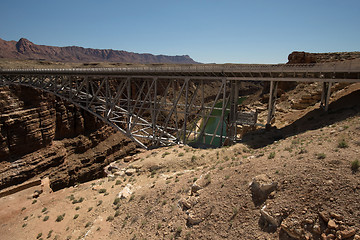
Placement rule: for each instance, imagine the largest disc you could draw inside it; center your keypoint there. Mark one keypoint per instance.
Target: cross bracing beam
(170, 104)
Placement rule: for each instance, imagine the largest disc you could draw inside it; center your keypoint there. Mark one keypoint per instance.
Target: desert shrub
(109, 218)
(321, 156)
(342, 144)
(46, 218)
(164, 154)
(60, 218)
(355, 165)
(49, 234)
(117, 213)
(76, 216)
(271, 155)
(102, 190)
(116, 201)
(207, 179)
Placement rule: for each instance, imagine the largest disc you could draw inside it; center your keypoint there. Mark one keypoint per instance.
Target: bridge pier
(272, 101)
(325, 95)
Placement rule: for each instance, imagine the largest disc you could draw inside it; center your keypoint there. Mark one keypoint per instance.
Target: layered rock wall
(305, 57)
(42, 135)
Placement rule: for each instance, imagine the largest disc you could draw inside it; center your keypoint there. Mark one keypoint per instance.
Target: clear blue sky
(254, 31)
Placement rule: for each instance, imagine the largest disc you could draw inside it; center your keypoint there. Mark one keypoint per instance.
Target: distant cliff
(24, 49)
(305, 57)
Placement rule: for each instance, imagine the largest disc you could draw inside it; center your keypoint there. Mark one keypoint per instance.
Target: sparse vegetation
(117, 213)
(321, 156)
(99, 203)
(131, 197)
(88, 224)
(102, 190)
(208, 179)
(46, 218)
(44, 209)
(181, 154)
(76, 216)
(34, 201)
(355, 165)
(271, 155)
(39, 236)
(342, 143)
(49, 234)
(116, 201)
(118, 182)
(81, 199)
(109, 218)
(89, 209)
(165, 154)
(59, 218)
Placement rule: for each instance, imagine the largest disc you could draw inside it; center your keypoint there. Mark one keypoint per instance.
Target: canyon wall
(42, 135)
(305, 57)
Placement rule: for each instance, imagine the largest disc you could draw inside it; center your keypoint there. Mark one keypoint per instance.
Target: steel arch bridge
(157, 105)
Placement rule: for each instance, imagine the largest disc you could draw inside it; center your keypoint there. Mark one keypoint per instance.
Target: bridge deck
(329, 72)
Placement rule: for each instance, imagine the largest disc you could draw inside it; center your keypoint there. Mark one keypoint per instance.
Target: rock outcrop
(24, 49)
(305, 57)
(42, 135)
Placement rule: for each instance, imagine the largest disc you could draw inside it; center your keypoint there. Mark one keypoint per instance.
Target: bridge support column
(325, 95)
(272, 100)
(234, 96)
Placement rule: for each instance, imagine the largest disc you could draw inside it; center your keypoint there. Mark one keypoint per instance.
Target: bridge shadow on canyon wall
(339, 110)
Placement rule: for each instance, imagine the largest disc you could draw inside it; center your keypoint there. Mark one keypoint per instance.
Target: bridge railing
(348, 66)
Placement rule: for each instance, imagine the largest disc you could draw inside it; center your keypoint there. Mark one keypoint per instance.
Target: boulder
(268, 218)
(130, 171)
(126, 192)
(261, 186)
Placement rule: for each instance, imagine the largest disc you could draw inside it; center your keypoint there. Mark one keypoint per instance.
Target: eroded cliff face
(305, 57)
(25, 49)
(42, 135)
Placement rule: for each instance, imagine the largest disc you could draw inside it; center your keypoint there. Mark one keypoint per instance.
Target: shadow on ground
(339, 110)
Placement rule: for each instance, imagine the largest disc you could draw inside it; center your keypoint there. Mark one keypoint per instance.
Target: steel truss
(149, 110)
(167, 105)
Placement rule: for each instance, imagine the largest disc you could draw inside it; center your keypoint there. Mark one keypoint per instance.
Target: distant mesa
(25, 49)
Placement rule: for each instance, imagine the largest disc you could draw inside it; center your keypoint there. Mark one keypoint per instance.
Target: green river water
(214, 121)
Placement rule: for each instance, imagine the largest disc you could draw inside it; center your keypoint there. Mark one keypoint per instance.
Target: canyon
(182, 192)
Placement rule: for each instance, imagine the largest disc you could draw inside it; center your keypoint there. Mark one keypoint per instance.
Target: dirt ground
(181, 192)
